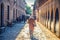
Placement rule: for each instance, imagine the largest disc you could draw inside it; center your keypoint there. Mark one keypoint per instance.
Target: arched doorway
(2, 14)
(51, 19)
(56, 19)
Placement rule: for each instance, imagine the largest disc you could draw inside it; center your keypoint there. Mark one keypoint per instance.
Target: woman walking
(31, 22)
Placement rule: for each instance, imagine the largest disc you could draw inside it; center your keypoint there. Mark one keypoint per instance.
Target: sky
(30, 2)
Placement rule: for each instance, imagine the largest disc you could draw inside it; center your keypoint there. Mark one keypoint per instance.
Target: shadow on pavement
(33, 38)
(12, 32)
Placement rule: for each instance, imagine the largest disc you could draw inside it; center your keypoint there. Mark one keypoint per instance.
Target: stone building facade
(10, 10)
(48, 13)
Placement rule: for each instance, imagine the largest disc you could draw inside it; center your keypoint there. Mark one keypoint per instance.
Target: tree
(28, 10)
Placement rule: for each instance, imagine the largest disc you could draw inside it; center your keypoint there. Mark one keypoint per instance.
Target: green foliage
(28, 9)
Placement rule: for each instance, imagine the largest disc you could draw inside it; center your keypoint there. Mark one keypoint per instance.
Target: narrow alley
(29, 20)
(20, 31)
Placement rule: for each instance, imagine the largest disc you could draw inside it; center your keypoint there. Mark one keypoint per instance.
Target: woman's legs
(31, 34)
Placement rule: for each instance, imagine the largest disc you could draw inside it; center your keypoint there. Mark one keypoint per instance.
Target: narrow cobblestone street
(21, 32)
(37, 35)
(29, 20)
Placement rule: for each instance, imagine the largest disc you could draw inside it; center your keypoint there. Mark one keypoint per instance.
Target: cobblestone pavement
(21, 32)
(37, 34)
(49, 35)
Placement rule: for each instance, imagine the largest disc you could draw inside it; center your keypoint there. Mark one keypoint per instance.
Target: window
(8, 12)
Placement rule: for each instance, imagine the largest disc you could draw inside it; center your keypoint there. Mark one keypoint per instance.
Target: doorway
(51, 19)
(2, 14)
(56, 19)
(8, 12)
